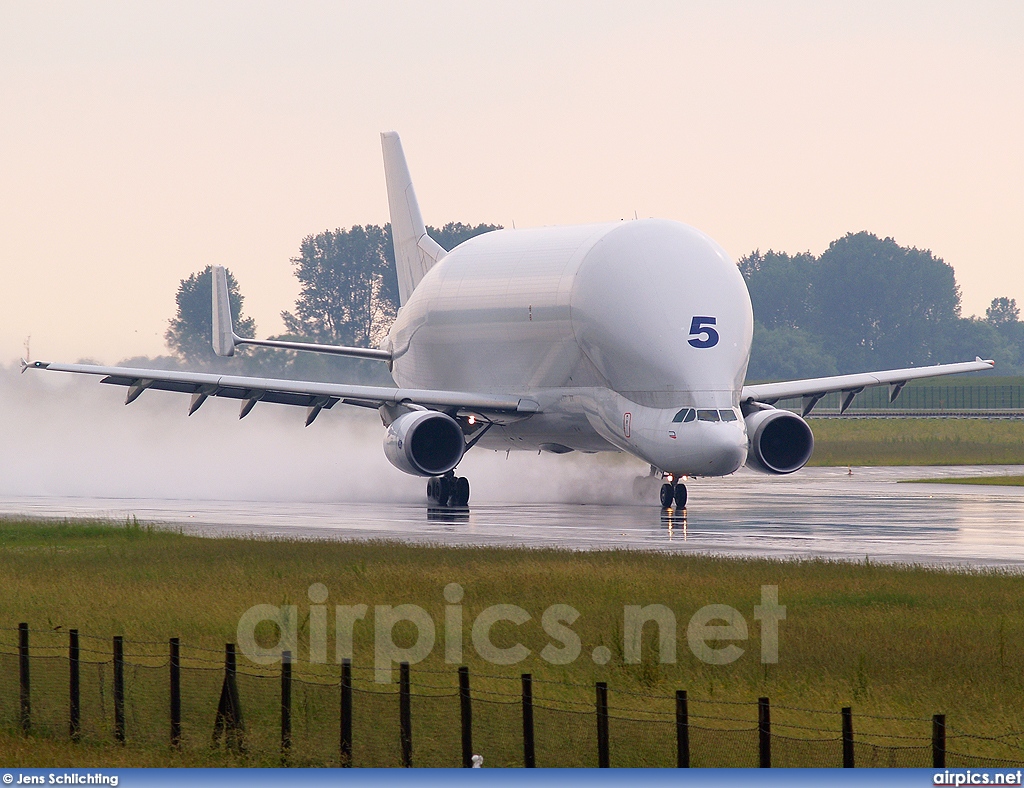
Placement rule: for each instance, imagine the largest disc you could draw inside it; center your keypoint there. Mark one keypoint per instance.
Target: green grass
(903, 641)
(995, 481)
(901, 441)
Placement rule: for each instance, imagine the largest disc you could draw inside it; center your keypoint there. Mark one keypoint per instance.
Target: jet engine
(424, 443)
(780, 441)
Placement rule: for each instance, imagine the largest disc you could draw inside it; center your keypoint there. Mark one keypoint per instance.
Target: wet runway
(818, 512)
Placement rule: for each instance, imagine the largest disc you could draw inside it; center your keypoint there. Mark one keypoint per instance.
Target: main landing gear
(672, 492)
(448, 490)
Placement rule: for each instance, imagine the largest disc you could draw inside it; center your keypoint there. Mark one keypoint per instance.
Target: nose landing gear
(448, 490)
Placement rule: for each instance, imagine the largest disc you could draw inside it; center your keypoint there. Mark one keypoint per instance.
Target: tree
(976, 337)
(867, 303)
(349, 285)
(878, 304)
(189, 334)
(780, 287)
(1003, 316)
(1003, 312)
(454, 233)
(787, 353)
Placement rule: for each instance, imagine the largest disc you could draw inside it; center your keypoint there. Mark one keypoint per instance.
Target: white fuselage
(612, 328)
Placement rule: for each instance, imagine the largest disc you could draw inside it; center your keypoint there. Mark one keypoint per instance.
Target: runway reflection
(819, 512)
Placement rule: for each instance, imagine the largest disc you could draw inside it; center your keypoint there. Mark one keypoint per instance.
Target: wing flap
(294, 392)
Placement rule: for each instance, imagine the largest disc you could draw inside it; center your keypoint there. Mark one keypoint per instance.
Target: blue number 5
(702, 325)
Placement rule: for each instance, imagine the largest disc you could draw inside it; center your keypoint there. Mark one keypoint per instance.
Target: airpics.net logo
(975, 777)
(714, 633)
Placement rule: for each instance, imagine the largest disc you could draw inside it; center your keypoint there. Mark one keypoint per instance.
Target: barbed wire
(725, 730)
(859, 736)
(859, 714)
(986, 760)
(1000, 739)
(804, 741)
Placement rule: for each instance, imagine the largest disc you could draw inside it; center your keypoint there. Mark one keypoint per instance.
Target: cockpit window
(707, 415)
(728, 415)
(685, 415)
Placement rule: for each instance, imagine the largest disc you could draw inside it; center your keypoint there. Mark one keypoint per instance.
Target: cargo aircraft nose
(725, 448)
(692, 441)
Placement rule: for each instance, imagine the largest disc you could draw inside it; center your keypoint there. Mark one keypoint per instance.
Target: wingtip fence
(166, 694)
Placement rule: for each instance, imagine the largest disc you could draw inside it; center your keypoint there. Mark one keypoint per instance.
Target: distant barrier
(170, 695)
(1000, 401)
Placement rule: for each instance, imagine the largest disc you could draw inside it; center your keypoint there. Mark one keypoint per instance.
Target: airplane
(629, 336)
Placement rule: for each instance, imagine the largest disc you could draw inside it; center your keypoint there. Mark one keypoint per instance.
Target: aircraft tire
(680, 496)
(460, 496)
(435, 485)
(667, 494)
(444, 490)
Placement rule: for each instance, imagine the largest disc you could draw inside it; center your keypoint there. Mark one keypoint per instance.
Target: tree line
(864, 303)
(867, 303)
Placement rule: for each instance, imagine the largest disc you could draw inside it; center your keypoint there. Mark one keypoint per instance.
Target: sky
(140, 142)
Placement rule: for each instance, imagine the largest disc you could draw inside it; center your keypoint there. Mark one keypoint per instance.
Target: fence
(930, 399)
(67, 685)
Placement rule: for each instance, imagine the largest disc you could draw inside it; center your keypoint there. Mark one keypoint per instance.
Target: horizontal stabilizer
(225, 340)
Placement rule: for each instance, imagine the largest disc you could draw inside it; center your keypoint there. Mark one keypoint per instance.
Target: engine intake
(780, 441)
(424, 443)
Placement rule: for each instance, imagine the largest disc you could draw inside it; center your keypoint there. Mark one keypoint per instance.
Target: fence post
(119, 688)
(405, 713)
(764, 733)
(286, 703)
(466, 708)
(682, 730)
(175, 692)
(346, 712)
(847, 737)
(602, 725)
(74, 688)
(25, 695)
(939, 741)
(229, 719)
(529, 754)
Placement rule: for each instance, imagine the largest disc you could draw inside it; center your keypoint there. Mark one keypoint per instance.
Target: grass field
(917, 442)
(900, 641)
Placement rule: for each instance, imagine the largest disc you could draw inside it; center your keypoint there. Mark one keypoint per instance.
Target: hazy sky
(140, 142)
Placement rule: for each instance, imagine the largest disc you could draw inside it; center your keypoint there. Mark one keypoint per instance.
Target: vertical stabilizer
(415, 251)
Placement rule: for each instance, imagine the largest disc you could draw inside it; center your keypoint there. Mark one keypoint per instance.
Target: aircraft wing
(813, 389)
(311, 395)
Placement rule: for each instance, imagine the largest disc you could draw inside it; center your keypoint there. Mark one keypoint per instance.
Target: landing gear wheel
(444, 490)
(460, 497)
(667, 494)
(680, 496)
(448, 490)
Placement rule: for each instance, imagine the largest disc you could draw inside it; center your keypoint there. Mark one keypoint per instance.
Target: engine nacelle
(424, 443)
(780, 441)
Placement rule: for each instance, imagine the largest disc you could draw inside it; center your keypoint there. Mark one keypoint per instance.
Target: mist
(70, 436)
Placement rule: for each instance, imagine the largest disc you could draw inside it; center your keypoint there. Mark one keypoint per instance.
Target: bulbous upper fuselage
(608, 305)
(621, 324)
